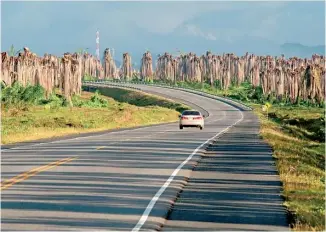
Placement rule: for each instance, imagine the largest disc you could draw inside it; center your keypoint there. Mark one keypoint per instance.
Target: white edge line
(151, 204)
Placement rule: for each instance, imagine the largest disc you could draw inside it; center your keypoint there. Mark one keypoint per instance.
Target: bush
(55, 101)
(217, 84)
(33, 94)
(21, 97)
(18, 95)
(257, 94)
(95, 101)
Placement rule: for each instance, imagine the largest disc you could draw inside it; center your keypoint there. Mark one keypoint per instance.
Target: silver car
(191, 118)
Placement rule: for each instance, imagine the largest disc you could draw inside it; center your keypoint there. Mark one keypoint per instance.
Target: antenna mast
(98, 45)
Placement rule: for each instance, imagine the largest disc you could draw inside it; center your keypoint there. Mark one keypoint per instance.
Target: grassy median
(27, 115)
(138, 98)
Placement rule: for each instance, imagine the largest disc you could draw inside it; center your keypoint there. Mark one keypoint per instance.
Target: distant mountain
(297, 49)
(181, 40)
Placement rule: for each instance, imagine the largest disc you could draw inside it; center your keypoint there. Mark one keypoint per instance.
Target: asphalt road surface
(129, 180)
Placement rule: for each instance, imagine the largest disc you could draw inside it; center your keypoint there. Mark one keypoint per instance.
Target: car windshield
(191, 113)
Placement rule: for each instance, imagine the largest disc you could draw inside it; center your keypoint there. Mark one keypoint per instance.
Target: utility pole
(113, 54)
(98, 45)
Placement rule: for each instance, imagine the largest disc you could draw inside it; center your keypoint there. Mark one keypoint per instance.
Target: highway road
(132, 179)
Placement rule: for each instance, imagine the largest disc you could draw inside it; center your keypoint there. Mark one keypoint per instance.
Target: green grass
(24, 119)
(300, 159)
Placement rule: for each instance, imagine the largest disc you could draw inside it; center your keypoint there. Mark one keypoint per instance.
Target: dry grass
(301, 163)
(38, 122)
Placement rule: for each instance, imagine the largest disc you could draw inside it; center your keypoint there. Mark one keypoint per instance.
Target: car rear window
(191, 113)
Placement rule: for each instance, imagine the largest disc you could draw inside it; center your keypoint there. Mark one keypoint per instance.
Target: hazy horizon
(134, 27)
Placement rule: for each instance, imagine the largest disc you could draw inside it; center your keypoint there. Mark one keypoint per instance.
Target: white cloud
(196, 31)
(210, 36)
(155, 17)
(75, 22)
(164, 17)
(267, 27)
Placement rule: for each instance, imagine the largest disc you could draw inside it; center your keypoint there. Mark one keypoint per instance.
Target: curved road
(129, 179)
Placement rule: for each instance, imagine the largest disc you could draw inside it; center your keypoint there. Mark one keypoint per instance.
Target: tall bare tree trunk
(146, 68)
(127, 67)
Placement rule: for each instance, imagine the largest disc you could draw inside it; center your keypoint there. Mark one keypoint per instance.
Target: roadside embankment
(28, 115)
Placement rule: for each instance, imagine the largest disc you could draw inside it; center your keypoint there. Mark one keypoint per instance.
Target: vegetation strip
(23, 176)
(293, 80)
(298, 140)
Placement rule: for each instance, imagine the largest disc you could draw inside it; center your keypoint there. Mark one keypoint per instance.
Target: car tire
(181, 127)
(201, 128)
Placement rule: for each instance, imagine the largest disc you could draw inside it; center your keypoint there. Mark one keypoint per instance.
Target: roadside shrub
(97, 100)
(18, 95)
(33, 94)
(53, 102)
(218, 84)
(257, 94)
(56, 100)
(76, 101)
(65, 102)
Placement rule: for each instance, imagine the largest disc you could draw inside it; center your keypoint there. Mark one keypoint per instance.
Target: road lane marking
(151, 204)
(25, 175)
(98, 148)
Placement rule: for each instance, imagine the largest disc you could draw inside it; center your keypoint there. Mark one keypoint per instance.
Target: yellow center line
(100, 147)
(25, 175)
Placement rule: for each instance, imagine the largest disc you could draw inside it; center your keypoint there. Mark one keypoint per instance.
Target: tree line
(294, 78)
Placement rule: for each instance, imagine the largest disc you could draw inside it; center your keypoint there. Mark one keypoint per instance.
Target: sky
(134, 27)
